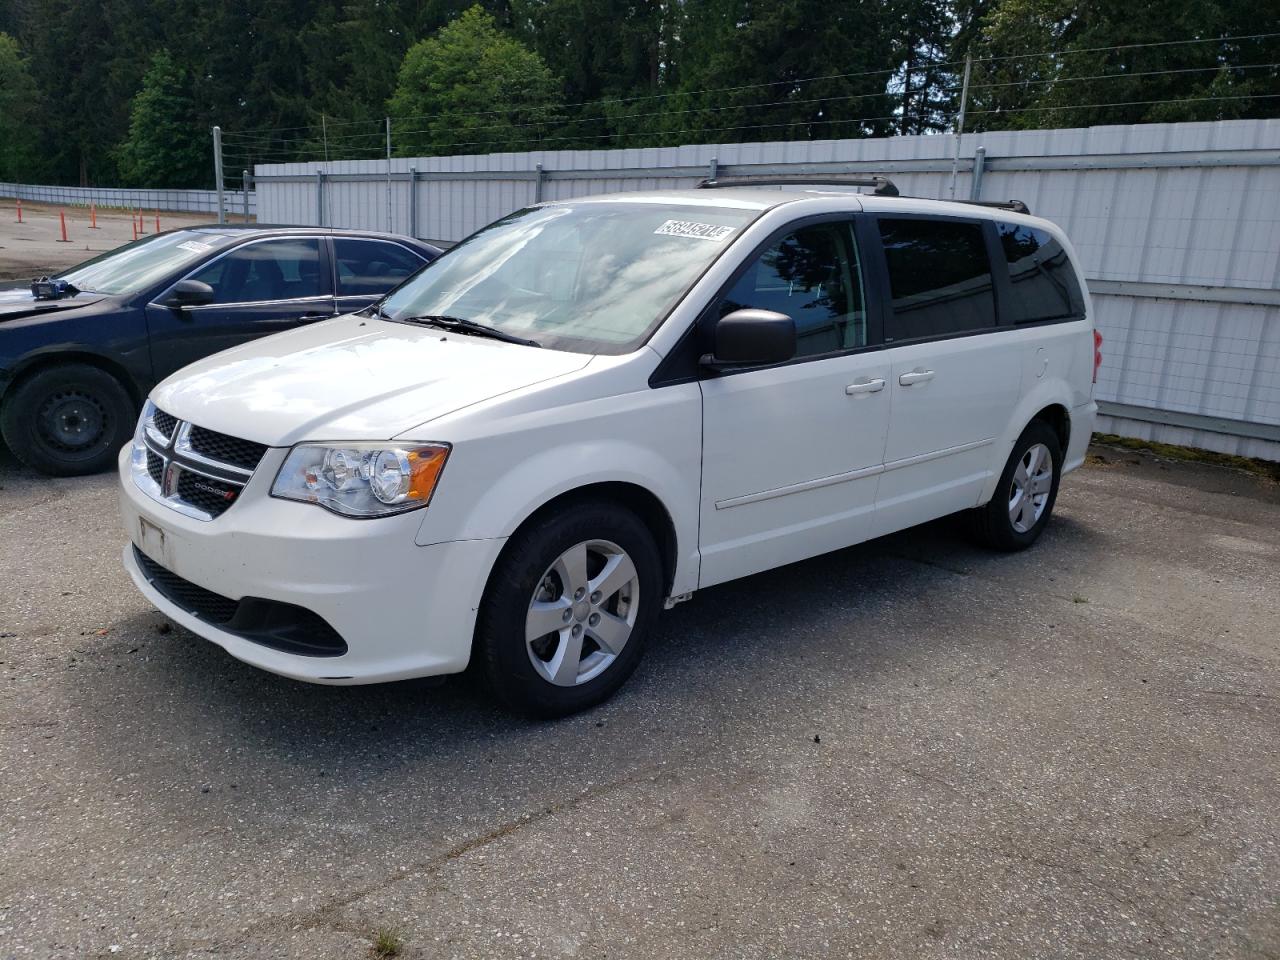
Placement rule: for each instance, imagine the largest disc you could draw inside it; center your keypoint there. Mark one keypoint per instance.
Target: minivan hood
(15, 304)
(349, 379)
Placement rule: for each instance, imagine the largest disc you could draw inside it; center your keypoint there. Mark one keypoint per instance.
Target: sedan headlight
(362, 480)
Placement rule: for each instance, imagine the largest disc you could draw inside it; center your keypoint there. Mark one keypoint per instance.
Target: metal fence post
(390, 222)
(319, 198)
(244, 185)
(715, 164)
(413, 201)
(217, 171)
(979, 161)
(964, 101)
(537, 183)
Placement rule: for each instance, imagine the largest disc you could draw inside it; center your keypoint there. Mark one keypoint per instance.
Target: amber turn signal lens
(425, 465)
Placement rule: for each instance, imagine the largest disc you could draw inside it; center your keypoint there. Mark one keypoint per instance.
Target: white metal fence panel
(183, 201)
(1177, 227)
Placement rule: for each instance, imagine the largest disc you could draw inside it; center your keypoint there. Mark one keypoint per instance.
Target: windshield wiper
(459, 325)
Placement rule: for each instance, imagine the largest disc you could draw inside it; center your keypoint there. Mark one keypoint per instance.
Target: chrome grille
(196, 471)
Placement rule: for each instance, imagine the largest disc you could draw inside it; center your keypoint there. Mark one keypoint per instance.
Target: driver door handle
(864, 386)
(311, 317)
(915, 376)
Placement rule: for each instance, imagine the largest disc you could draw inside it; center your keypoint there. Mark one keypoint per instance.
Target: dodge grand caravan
(590, 409)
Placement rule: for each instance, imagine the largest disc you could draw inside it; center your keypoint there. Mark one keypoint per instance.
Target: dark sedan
(79, 354)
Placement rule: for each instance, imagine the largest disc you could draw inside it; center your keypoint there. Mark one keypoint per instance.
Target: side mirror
(752, 336)
(189, 293)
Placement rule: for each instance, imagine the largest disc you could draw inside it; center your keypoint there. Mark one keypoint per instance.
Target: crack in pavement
(328, 916)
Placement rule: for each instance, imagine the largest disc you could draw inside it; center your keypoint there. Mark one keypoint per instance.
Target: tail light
(1097, 354)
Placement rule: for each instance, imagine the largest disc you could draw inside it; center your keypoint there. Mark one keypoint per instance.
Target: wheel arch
(35, 363)
(641, 501)
(1058, 417)
(1049, 403)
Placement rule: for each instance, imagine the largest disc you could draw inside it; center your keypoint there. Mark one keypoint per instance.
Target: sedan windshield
(594, 276)
(141, 264)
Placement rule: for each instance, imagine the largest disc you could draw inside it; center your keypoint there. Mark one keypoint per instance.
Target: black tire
(992, 523)
(68, 420)
(501, 654)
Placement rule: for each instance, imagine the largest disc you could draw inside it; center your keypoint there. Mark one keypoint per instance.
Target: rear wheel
(1025, 495)
(68, 420)
(568, 609)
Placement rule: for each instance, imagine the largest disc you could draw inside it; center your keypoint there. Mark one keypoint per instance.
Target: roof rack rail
(1017, 206)
(883, 185)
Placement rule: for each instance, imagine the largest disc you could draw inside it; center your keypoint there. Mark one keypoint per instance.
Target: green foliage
(19, 112)
(1116, 64)
(517, 74)
(166, 147)
(473, 89)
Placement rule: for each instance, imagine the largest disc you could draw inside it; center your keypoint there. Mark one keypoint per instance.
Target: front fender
(651, 439)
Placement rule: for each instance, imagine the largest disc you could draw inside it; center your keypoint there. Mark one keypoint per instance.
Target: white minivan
(590, 409)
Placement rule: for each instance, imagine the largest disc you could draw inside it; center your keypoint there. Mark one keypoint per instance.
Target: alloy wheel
(1029, 492)
(582, 613)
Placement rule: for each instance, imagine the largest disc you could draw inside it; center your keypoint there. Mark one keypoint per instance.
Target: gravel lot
(909, 749)
(33, 248)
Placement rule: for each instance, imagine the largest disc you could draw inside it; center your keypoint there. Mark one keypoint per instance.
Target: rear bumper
(400, 609)
(1083, 420)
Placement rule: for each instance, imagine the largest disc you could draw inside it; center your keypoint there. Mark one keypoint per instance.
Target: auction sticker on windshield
(195, 246)
(699, 231)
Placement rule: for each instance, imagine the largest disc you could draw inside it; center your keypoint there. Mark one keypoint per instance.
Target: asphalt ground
(909, 749)
(33, 248)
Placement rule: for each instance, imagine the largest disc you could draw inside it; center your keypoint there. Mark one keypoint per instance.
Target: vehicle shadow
(163, 700)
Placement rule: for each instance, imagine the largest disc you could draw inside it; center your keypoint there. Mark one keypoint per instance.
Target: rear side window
(814, 277)
(371, 267)
(1043, 281)
(939, 277)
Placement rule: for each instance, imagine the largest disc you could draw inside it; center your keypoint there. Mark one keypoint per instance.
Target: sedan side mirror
(752, 336)
(189, 293)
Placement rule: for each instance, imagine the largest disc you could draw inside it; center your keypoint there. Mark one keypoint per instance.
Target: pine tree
(166, 147)
(473, 89)
(19, 113)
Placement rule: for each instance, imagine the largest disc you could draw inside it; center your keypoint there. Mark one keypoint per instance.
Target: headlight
(138, 455)
(362, 480)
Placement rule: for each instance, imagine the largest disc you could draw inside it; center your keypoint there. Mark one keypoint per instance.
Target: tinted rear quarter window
(1043, 282)
(939, 277)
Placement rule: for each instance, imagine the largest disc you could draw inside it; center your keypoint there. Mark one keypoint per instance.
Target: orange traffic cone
(19, 209)
(93, 215)
(62, 218)
(134, 221)
(157, 221)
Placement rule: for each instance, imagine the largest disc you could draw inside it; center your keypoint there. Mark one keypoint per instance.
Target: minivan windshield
(591, 277)
(145, 262)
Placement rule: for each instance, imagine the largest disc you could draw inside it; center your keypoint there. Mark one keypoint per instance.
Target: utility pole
(217, 171)
(390, 228)
(964, 102)
(324, 132)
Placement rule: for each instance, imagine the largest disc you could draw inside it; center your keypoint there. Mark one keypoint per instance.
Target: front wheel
(68, 420)
(568, 609)
(1025, 495)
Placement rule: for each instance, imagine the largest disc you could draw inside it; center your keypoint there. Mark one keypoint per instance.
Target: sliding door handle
(915, 376)
(864, 386)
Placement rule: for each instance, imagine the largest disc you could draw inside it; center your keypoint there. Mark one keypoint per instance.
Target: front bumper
(402, 610)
